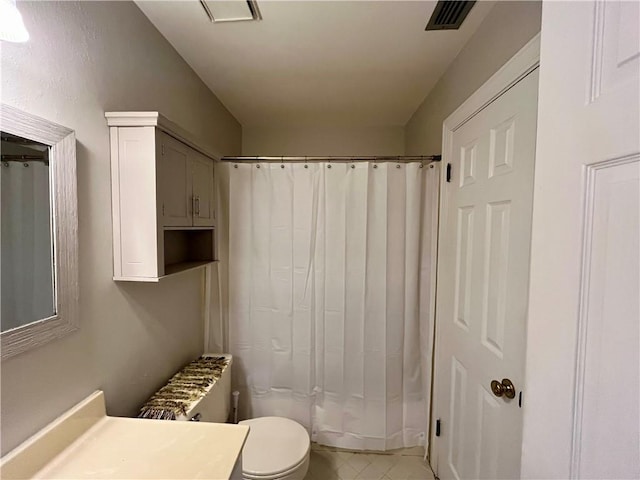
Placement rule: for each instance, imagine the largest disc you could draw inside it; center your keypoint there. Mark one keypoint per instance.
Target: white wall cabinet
(186, 185)
(163, 198)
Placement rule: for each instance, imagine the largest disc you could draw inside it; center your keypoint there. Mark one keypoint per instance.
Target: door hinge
(520, 399)
(437, 427)
(163, 209)
(448, 173)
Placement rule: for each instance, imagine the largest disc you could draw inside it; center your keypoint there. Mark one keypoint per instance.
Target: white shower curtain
(331, 271)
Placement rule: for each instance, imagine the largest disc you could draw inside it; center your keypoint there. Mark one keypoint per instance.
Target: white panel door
(582, 409)
(483, 276)
(203, 190)
(175, 182)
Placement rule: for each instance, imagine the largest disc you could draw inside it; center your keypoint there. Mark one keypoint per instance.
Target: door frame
(526, 60)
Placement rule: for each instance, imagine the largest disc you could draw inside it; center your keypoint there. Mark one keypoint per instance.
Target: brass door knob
(505, 388)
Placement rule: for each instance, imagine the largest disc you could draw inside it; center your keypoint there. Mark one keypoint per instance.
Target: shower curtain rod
(397, 159)
(23, 158)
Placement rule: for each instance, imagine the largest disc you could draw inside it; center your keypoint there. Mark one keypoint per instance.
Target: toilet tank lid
(274, 445)
(177, 399)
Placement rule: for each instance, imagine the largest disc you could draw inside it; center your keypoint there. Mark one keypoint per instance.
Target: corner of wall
(506, 29)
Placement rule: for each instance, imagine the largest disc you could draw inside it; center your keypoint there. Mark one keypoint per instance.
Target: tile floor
(329, 463)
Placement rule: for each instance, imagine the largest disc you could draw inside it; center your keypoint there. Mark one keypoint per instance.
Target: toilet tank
(184, 396)
(216, 404)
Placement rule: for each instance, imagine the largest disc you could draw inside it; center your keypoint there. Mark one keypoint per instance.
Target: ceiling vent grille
(449, 14)
(231, 10)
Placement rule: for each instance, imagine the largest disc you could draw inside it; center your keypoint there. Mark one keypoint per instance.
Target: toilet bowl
(277, 448)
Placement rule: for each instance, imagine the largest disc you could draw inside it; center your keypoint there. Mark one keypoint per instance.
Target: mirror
(26, 246)
(38, 231)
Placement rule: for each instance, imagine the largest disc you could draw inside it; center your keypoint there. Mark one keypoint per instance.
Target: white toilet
(277, 448)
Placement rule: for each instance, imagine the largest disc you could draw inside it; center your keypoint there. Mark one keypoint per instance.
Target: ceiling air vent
(449, 15)
(231, 10)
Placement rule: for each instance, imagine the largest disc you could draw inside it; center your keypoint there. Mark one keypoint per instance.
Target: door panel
(613, 317)
(457, 418)
(495, 276)
(176, 187)
(463, 260)
(202, 171)
(487, 440)
(482, 287)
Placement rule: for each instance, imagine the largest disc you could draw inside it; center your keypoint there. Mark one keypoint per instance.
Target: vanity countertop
(85, 443)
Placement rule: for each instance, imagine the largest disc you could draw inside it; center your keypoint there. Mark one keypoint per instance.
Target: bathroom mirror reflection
(38, 232)
(27, 286)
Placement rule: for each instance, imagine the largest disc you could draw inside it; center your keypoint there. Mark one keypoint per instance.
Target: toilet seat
(275, 448)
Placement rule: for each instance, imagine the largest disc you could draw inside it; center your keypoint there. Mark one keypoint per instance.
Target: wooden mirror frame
(64, 207)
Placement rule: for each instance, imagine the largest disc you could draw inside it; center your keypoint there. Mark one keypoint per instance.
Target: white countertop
(85, 443)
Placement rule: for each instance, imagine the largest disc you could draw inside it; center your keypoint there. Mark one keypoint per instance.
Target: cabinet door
(176, 182)
(203, 191)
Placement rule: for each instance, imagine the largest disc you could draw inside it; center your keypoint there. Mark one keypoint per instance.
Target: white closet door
(483, 276)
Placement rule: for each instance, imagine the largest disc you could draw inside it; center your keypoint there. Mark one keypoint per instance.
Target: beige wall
(336, 141)
(84, 58)
(507, 28)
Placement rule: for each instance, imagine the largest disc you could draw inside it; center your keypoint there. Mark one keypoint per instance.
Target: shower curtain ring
(305, 162)
(282, 162)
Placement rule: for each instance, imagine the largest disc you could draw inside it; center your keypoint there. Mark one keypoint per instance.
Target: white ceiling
(317, 63)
